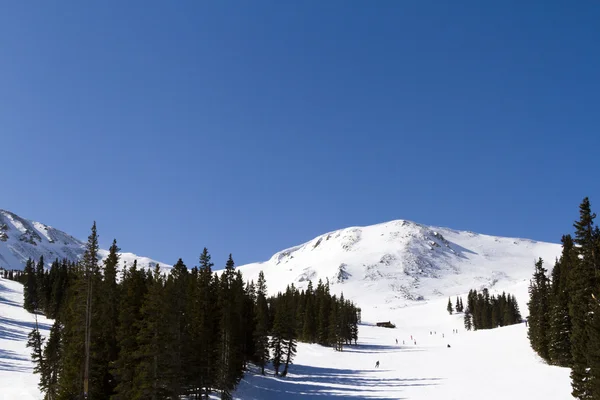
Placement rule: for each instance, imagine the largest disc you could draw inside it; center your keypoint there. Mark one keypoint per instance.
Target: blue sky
(248, 127)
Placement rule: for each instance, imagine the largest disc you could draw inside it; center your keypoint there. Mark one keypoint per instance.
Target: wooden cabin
(386, 324)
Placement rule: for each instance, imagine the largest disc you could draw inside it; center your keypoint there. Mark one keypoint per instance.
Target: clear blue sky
(251, 126)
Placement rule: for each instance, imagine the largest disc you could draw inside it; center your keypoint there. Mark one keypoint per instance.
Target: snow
(30, 239)
(17, 380)
(493, 364)
(391, 265)
(394, 273)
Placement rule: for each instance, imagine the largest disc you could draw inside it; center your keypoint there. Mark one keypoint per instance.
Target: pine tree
(177, 339)
(468, 322)
(449, 307)
(133, 292)
(108, 316)
(40, 279)
(309, 328)
(289, 331)
(30, 291)
(52, 366)
(230, 367)
(538, 311)
(152, 356)
(582, 279)
(261, 338)
(79, 323)
(36, 342)
(206, 323)
(560, 321)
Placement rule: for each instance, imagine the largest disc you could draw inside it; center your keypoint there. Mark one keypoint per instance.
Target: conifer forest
(564, 307)
(137, 334)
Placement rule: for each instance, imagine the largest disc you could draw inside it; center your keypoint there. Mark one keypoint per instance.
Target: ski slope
(495, 364)
(17, 380)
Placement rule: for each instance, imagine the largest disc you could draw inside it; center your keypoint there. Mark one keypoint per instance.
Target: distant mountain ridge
(401, 261)
(388, 264)
(21, 239)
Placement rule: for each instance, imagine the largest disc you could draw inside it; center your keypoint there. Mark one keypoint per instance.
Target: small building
(386, 324)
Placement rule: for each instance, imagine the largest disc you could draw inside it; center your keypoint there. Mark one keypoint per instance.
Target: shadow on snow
(304, 381)
(7, 361)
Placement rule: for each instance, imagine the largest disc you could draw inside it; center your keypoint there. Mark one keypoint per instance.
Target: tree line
(12, 274)
(139, 334)
(564, 311)
(487, 312)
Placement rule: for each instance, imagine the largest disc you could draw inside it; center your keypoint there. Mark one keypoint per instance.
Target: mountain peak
(401, 261)
(21, 239)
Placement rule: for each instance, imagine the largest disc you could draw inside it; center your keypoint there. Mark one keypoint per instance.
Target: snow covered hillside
(394, 264)
(21, 239)
(398, 271)
(496, 364)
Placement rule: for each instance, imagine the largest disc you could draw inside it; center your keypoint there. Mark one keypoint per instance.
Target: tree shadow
(4, 288)
(26, 325)
(10, 333)
(305, 381)
(9, 361)
(378, 348)
(8, 302)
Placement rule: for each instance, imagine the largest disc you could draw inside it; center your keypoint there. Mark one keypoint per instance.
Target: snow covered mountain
(21, 239)
(399, 262)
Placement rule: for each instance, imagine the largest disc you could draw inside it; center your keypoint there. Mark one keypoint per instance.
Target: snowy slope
(21, 239)
(394, 264)
(17, 380)
(493, 365)
(398, 271)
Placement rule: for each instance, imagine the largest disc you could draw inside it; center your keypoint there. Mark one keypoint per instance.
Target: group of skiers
(415, 341)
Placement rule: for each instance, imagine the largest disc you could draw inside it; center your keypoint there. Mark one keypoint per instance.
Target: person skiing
(396, 341)
(377, 364)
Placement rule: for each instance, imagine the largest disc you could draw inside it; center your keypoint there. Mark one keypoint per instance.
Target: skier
(396, 341)
(377, 364)
(448, 346)
(403, 342)
(442, 335)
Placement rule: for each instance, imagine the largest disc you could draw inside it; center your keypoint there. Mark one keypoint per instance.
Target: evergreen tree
(79, 323)
(560, 321)
(35, 341)
(52, 366)
(40, 279)
(449, 307)
(206, 325)
(538, 311)
(108, 316)
(309, 328)
(30, 290)
(133, 292)
(151, 377)
(177, 336)
(582, 280)
(468, 322)
(261, 338)
(230, 367)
